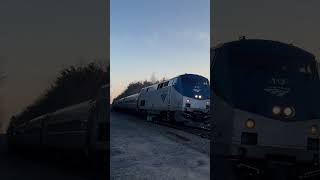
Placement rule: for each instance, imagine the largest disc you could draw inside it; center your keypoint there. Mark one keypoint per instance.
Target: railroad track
(202, 132)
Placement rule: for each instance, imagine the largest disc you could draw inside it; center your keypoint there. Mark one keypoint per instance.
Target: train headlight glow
(188, 100)
(288, 111)
(250, 124)
(276, 110)
(200, 96)
(196, 96)
(313, 129)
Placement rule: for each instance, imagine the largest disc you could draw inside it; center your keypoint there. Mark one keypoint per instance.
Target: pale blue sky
(167, 37)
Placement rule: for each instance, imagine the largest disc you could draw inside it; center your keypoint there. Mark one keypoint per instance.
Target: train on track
(78, 128)
(266, 106)
(183, 99)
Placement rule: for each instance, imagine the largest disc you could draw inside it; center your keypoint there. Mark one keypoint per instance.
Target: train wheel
(145, 115)
(171, 117)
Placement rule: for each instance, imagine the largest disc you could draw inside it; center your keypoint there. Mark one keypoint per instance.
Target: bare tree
(153, 78)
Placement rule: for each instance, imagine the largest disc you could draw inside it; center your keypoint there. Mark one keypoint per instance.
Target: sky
(290, 21)
(165, 38)
(38, 38)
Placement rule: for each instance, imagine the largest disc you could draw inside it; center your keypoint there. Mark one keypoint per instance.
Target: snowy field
(143, 150)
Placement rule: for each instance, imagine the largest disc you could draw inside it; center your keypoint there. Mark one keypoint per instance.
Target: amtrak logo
(277, 88)
(277, 91)
(196, 89)
(163, 97)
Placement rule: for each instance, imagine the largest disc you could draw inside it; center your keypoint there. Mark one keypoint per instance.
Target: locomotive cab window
(160, 86)
(275, 65)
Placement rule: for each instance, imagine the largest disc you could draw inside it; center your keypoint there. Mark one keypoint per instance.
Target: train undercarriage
(198, 120)
(276, 167)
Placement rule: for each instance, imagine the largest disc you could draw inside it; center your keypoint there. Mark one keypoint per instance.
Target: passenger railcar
(78, 128)
(266, 105)
(184, 98)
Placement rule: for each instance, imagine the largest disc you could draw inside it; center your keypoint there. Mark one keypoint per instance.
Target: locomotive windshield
(192, 85)
(281, 65)
(194, 81)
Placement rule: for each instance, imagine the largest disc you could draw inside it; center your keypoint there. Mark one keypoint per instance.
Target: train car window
(142, 102)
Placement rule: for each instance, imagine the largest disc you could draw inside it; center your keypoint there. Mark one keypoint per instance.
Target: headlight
(200, 96)
(313, 130)
(196, 96)
(188, 100)
(276, 110)
(250, 124)
(288, 111)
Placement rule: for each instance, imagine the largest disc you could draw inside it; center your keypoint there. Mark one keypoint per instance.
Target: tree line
(135, 87)
(73, 85)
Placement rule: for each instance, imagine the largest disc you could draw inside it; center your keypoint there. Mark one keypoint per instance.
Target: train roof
(191, 75)
(186, 74)
(72, 107)
(259, 45)
(130, 96)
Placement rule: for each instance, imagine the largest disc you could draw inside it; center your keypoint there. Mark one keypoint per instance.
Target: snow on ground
(143, 150)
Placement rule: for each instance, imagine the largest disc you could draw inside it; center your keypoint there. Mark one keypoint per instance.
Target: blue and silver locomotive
(266, 105)
(184, 98)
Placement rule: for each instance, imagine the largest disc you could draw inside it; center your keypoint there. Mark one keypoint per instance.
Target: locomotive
(266, 106)
(182, 99)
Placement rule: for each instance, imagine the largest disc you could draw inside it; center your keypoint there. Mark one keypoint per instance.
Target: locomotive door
(165, 96)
